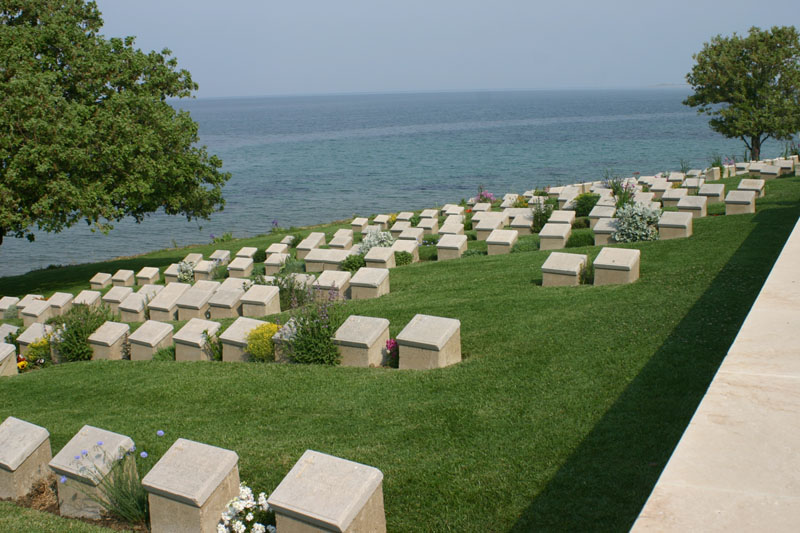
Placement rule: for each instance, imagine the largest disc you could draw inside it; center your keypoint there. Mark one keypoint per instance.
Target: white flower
(272, 529)
(238, 506)
(249, 517)
(238, 527)
(245, 493)
(258, 528)
(222, 529)
(262, 502)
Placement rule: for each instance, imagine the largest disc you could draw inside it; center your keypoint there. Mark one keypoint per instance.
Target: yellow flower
(22, 365)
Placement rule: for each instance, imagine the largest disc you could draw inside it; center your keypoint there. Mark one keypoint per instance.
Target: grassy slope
(563, 414)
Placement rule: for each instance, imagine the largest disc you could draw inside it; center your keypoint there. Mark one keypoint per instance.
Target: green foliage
(260, 256)
(71, 337)
(580, 223)
(88, 133)
(584, 203)
(212, 346)
(121, 492)
(635, 223)
(415, 220)
(403, 258)
(524, 245)
(165, 354)
(578, 239)
(220, 272)
(292, 292)
(473, 253)
(749, 85)
(521, 201)
(259, 342)
(541, 213)
(11, 312)
(316, 324)
(586, 276)
(225, 237)
(353, 262)
(716, 160)
(684, 165)
(468, 222)
(293, 265)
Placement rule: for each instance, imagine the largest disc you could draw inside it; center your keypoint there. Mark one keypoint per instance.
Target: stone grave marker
(369, 283)
(429, 342)
(561, 269)
(674, 225)
(234, 339)
(99, 281)
(108, 340)
(123, 278)
(191, 339)
(24, 457)
(616, 266)
(261, 300)
(149, 338)
(361, 341)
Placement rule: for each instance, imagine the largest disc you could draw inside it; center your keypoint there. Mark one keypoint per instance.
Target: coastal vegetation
(87, 132)
(750, 85)
(562, 415)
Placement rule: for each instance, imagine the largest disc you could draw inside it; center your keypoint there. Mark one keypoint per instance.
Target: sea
(302, 160)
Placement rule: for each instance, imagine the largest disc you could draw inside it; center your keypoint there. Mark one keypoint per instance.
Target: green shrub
(293, 266)
(225, 237)
(260, 256)
(415, 220)
(584, 203)
(292, 292)
(580, 223)
(220, 272)
(586, 276)
(259, 342)
(165, 354)
(636, 222)
(430, 240)
(541, 213)
(580, 239)
(353, 262)
(472, 253)
(74, 327)
(296, 238)
(468, 222)
(316, 325)
(403, 258)
(11, 313)
(212, 347)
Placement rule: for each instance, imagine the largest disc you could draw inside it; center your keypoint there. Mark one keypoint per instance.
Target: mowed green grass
(562, 415)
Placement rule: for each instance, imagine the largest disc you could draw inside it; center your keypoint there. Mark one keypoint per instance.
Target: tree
(750, 85)
(86, 132)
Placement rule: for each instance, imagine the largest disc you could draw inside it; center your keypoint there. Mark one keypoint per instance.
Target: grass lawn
(562, 415)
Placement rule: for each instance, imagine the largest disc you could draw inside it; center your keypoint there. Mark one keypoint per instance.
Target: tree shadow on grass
(606, 481)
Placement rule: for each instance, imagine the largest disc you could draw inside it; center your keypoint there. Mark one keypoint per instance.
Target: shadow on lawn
(606, 481)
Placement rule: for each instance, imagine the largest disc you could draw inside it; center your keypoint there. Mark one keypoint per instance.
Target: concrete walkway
(737, 466)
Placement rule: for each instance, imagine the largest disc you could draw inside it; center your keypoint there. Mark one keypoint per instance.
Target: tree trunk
(755, 148)
(2, 233)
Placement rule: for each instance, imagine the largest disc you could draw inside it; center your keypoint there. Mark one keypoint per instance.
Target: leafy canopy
(750, 85)
(85, 128)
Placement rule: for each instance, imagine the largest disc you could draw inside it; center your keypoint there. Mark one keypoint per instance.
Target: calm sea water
(306, 160)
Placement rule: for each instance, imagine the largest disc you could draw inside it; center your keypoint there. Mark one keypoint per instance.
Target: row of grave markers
(192, 484)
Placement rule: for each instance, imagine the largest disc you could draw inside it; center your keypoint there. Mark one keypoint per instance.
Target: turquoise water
(312, 159)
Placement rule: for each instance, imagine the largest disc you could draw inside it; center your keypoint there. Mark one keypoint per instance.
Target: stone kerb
(36, 311)
(248, 252)
(330, 282)
(164, 305)
(147, 276)
(24, 457)
(323, 493)
(603, 231)
(87, 297)
(561, 217)
(451, 247)
(108, 340)
(715, 192)
(486, 226)
(191, 340)
(562, 269)
(554, 236)
(100, 281)
(674, 225)
(358, 224)
(204, 271)
(614, 266)
(8, 360)
(123, 278)
(600, 212)
(27, 300)
(6, 302)
(234, 339)
(225, 304)
(361, 341)
(429, 342)
(399, 227)
(149, 338)
(261, 300)
(671, 197)
(222, 257)
(752, 185)
(696, 205)
(369, 283)
(380, 257)
(411, 247)
(501, 241)
(241, 267)
(32, 334)
(190, 487)
(115, 296)
(85, 461)
(740, 202)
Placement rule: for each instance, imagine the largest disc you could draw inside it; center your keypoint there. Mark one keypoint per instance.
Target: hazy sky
(263, 47)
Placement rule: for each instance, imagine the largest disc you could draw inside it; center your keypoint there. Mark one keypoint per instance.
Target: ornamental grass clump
(622, 188)
(259, 342)
(636, 222)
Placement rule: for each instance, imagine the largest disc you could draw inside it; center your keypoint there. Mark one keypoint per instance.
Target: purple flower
(133, 448)
(160, 432)
(143, 455)
(77, 457)
(63, 479)
(99, 443)
(84, 452)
